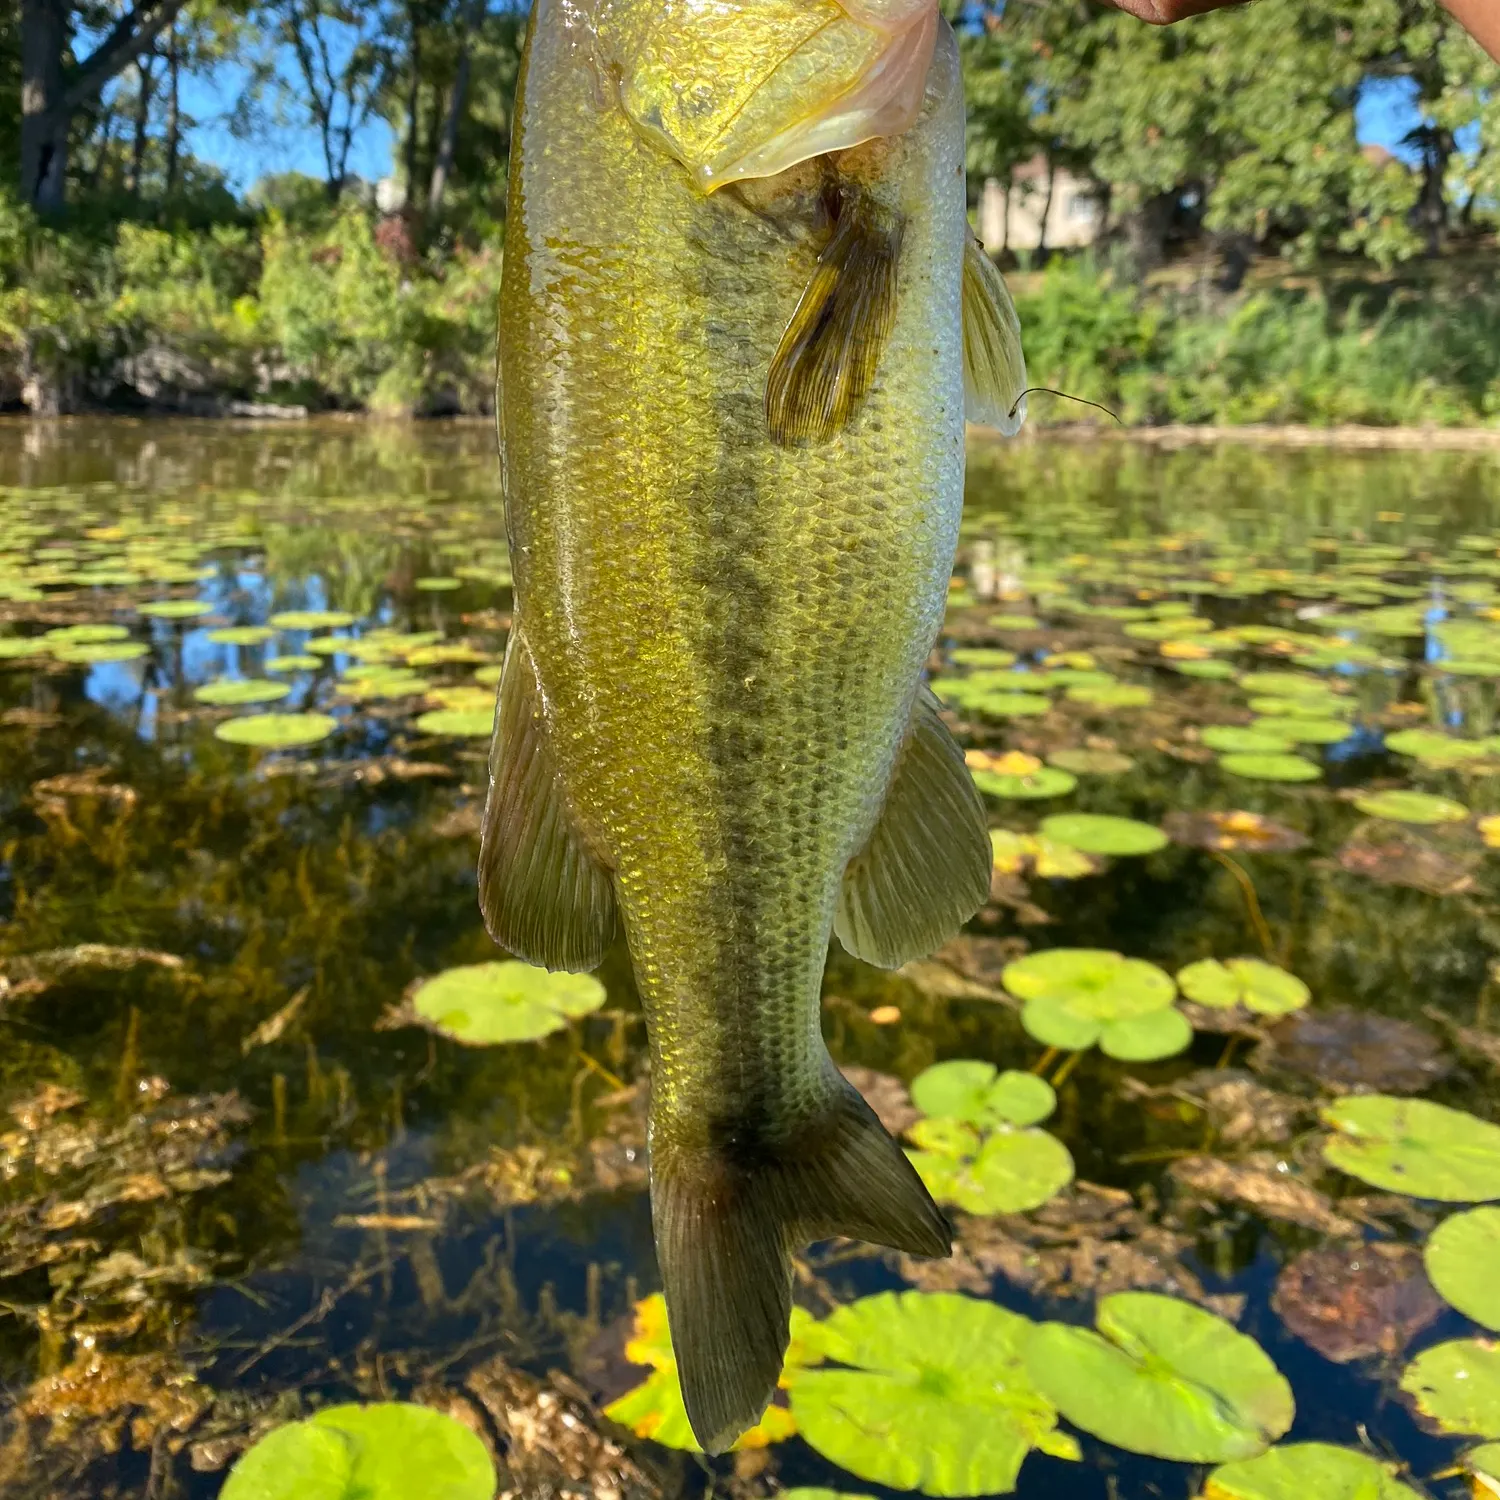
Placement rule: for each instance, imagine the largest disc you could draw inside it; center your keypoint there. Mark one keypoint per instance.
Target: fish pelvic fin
(730, 1214)
(926, 868)
(543, 893)
(827, 358)
(994, 366)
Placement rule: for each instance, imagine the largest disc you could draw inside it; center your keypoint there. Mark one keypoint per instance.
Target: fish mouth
(737, 89)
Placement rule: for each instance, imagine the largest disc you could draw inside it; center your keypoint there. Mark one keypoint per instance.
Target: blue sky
(1385, 113)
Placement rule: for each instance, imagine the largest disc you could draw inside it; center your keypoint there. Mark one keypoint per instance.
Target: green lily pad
(1013, 622)
(1309, 707)
(983, 656)
(1462, 1259)
(293, 664)
(976, 1092)
(1484, 1460)
(1434, 749)
(1411, 807)
(1165, 1378)
(1041, 783)
(934, 1395)
(1091, 762)
(1092, 982)
(239, 693)
(485, 1004)
(1251, 982)
(1007, 705)
(389, 1451)
(1457, 1386)
(1012, 1171)
(1110, 694)
(177, 609)
(1414, 1146)
(1271, 767)
(310, 619)
(87, 635)
(1053, 1024)
(1149, 1038)
(1308, 1471)
(241, 635)
(468, 723)
(13, 647)
(1304, 731)
(438, 585)
(276, 731)
(1096, 833)
(87, 654)
(802, 1492)
(1283, 684)
(1210, 671)
(1231, 739)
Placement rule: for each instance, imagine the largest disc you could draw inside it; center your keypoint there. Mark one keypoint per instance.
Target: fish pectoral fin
(727, 1223)
(994, 366)
(544, 894)
(827, 358)
(926, 868)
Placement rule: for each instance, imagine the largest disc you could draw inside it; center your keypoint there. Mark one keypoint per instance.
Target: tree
(56, 85)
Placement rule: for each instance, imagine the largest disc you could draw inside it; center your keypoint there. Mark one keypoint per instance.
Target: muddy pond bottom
(1211, 1087)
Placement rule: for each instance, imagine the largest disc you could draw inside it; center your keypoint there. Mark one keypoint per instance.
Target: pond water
(239, 1181)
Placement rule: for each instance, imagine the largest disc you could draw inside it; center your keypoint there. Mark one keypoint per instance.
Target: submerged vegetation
(302, 1182)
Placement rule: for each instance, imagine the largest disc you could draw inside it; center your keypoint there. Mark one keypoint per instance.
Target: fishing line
(1046, 390)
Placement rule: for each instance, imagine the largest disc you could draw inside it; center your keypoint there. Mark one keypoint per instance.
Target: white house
(1010, 217)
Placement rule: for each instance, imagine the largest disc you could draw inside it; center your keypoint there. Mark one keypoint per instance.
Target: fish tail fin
(728, 1218)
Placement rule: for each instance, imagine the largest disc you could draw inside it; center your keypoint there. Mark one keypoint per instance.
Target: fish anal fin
(827, 358)
(926, 868)
(544, 895)
(994, 366)
(728, 1219)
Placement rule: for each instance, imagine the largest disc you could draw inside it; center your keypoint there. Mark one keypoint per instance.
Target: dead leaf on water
(1267, 1186)
(1346, 1049)
(1352, 1303)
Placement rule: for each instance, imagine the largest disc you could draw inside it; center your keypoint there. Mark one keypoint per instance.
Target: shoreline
(1263, 435)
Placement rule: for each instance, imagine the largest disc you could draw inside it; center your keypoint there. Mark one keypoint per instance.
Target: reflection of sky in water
(115, 684)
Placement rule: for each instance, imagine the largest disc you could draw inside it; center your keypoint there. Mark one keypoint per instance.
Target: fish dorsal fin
(544, 894)
(994, 366)
(926, 868)
(827, 357)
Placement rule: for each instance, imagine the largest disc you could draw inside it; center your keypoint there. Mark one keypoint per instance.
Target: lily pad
(1110, 694)
(1163, 1033)
(438, 585)
(1012, 1171)
(88, 654)
(1091, 762)
(1457, 1386)
(1304, 731)
(1271, 767)
(1165, 1378)
(177, 609)
(1463, 1259)
(293, 664)
(276, 731)
(1007, 705)
(1414, 1146)
(654, 1409)
(241, 635)
(484, 1004)
(1485, 1461)
(310, 619)
(467, 723)
(1308, 1471)
(983, 656)
(1411, 807)
(1434, 749)
(389, 1451)
(977, 1093)
(1210, 670)
(1231, 739)
(86, 635)
(13, 647)
(1092, 982)
(1041, 783)
(1250, 982)
(241, 692)
(934, 1395)
(1095, 833)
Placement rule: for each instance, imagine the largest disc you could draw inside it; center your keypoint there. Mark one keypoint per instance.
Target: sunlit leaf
(1414, 1146)
(484, 1004)
(1463, 1263)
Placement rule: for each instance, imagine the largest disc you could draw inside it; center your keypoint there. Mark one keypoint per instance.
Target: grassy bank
(346, 314)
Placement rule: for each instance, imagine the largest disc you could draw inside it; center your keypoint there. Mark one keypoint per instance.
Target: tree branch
(131, 35)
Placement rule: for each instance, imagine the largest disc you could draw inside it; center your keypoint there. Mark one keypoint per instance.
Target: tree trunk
(145, 73)
(44, 122)
(413, 103)
(1146, 233)
(174, 112)
(1432, 206)
(443, 166)
(1041, 237)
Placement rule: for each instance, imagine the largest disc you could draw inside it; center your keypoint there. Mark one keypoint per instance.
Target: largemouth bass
(739, 305)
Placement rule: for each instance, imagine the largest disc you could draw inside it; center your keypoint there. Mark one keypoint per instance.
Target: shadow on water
(235, 1182)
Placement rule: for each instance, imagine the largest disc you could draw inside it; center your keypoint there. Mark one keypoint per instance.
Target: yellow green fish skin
(722, 634)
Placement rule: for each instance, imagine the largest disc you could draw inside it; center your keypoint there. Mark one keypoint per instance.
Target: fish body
(732, 420)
